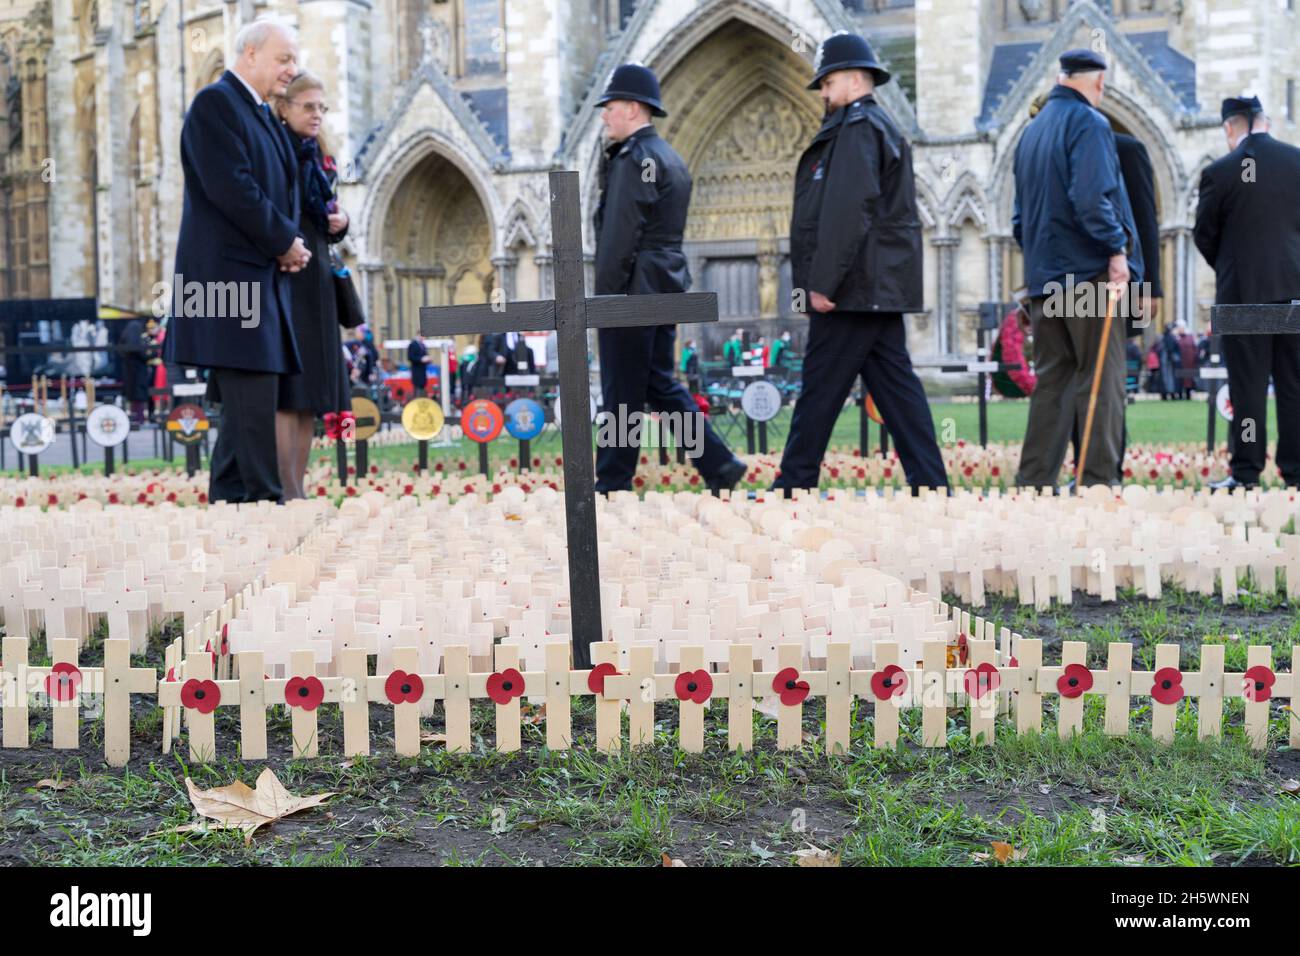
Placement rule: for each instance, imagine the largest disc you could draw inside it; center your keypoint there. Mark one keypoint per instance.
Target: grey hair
(253, 35)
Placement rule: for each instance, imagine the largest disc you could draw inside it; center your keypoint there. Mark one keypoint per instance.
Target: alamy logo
(75, 909)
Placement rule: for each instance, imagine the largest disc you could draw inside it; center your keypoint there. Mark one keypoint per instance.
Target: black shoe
(728, 476)
(1229, 483)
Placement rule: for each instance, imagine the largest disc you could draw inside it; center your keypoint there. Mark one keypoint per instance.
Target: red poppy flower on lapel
(1075, 681)
(696, 686)
(200, 695)
(506, 685)
(596, 679)
(304, 692)
(982, 680)
(788, 685)
(890, 681)
(402, 687)
(63, 682)
(1168, 686)
(1258, 683)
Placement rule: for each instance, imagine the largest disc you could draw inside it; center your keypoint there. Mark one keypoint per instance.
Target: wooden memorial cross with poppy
(64, 682)
(570, 315)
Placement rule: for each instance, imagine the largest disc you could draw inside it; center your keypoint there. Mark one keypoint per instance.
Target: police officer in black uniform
(1248, 230)
(855, 252)
(645, 191)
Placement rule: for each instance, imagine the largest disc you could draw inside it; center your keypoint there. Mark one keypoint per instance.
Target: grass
(1148, 423)
(1090, 800)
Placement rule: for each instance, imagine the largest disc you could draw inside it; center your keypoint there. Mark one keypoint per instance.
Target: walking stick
(1092, 395)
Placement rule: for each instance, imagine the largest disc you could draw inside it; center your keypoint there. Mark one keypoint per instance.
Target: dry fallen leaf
(49, 784)
(1002, 852)
(240, 807)
(815, 856)
(1292, 787)
(534, 717)
(433, 738)
(669, 861)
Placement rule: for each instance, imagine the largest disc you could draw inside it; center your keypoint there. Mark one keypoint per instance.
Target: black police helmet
(632, 81)
(846, 51)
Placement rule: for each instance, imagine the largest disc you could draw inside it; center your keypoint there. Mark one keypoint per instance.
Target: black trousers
(243, 466)
(842, 346)
(1251, 359)
(636, 371)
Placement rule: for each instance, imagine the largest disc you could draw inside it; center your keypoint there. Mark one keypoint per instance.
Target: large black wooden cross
(571, 315)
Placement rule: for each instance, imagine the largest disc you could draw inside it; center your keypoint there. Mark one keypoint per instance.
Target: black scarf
(317, 189)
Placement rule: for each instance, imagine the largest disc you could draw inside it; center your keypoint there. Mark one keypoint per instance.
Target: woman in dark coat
(322, 386)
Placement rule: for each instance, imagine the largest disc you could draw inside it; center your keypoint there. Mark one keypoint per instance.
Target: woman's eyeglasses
(320, 108)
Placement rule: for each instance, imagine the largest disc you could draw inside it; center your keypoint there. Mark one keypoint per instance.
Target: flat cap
(1082, 61)
(1240, 106)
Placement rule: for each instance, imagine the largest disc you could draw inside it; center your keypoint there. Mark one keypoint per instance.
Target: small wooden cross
(193, 601)
(118, 601)
(570, 316)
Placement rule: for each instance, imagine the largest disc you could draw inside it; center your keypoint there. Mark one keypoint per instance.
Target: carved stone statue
(436, 42)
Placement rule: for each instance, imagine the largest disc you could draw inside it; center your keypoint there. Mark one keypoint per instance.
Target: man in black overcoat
(238, 236)
(1248, 230)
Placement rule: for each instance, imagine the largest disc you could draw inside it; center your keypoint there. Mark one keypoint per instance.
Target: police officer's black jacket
(855, 235)
(641, 218)
(1248, 222)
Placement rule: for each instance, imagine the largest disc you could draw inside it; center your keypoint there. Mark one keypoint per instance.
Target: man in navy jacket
(239, 233)
(1074, 222)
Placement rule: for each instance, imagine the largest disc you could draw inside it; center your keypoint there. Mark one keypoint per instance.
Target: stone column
(945, 314)
(506, 266)
(545, 276)
(952, 51)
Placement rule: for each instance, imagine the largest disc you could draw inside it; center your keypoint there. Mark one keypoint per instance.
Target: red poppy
(63, 681)
(505, 685)
(790, 687)
(374, 469)
(203, 497)
(460, 465)
(200, 695)
(890, 681)
(304, 692)
(407, 489)
(537, 463)
(889, 473)
(1013, 662)
(1168, 686)
(351, 492)
(982, 680)
(112, 498)
(141, 498)
(402, 687)
(963, 648)
(995, 471)
(695, 479)
(19, 501)
(436, 489)
(1257, 683)
(469, 489)
(694, 685)
(52, 500)
(1075, 681)
(596, 679)
(638, 481)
